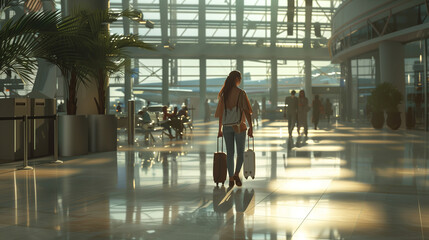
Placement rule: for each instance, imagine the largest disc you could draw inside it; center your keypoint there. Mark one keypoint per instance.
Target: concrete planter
(102, 133)
(393, 120)
(377, 120)
(72, 135)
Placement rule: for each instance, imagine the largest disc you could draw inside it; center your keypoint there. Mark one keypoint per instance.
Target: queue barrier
(25, 120)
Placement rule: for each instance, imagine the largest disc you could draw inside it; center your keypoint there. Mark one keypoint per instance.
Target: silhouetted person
(166, 124)
(61, 107)
(176, 123)
(255, 114)
(317, 105)
(183, 111)
(328, 110)
(119, 108)
(291, 111)
(303, 108)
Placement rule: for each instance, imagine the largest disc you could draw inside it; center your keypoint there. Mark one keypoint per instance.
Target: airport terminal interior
(108, 127)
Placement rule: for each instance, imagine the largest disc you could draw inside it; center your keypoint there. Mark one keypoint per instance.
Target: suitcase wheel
(217, 184)
(253, 177)
(246, 177)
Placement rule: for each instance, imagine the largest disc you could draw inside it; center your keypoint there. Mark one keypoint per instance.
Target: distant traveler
(166, 123)
(317, 107)
(232, 99)
(303, 108)
(145, 121)
(328, 110)
(255, 114)
(183, 111)
(119, 108)
(61, 107)
(291, 111)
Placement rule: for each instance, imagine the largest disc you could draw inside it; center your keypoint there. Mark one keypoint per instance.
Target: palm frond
(19, 40)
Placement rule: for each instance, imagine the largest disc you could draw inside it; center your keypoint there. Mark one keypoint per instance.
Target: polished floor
(343, 182)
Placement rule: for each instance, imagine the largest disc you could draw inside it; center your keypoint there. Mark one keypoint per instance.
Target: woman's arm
(219, 114)
(220, 133)
(249, 121)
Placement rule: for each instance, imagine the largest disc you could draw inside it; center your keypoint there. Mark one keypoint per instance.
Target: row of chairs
(177, 124)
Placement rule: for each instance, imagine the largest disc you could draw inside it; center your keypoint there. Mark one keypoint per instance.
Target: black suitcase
(219, 165)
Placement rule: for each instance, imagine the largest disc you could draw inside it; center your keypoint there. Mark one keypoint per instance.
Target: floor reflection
(341, 182)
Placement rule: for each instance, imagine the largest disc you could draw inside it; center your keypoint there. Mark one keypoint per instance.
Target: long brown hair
(229, 84)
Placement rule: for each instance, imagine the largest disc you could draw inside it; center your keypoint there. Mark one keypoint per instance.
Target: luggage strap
(253, 141)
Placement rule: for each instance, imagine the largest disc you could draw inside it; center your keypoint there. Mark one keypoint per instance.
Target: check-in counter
(12, 131)
(41, 134)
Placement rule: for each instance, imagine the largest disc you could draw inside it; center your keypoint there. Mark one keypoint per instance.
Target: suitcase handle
(217, 144)
(253, 141)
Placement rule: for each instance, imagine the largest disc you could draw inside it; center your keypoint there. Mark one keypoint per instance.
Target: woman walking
(317, 106)
(303, 108)
(232, 97)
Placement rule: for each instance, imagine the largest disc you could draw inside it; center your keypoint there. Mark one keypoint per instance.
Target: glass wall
(414, 83)
(364, 81)
(290, 75)
(325, 80)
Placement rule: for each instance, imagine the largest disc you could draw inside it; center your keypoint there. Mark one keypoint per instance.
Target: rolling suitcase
(249, 161)
(219, 165)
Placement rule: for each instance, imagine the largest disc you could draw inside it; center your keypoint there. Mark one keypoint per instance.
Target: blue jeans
(240, 141)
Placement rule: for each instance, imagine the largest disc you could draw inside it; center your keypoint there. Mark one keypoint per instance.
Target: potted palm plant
(393, 120)
(376, 102)
(106, 54)
(385, 98)
(64, 49)
(20, 40)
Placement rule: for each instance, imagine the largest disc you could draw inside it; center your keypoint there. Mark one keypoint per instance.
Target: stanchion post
(56, 160)
(25, 167)
(131, 122)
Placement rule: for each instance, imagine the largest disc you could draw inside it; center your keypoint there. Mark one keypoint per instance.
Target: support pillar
(203, 61)
(307, 79)
(163, 9)
(274, 11)
(85, 94)
(346, 106)
(273, 39)
(239, 13)
(203, 87)
(73, 5)
(165, 98)
(274, 84)
(127, 82)
(392, 70)
(308, 14)
(240, 67)
(128, 87)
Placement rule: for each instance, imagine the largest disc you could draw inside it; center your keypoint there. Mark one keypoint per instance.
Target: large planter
(377, 120)
(393, 120)
(72, 135)
(102, 133)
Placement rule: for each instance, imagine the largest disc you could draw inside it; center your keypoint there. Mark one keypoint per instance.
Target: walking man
(291, 111)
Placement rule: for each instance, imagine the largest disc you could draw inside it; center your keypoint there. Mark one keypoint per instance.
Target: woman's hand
(220, 133)
(250, 132)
